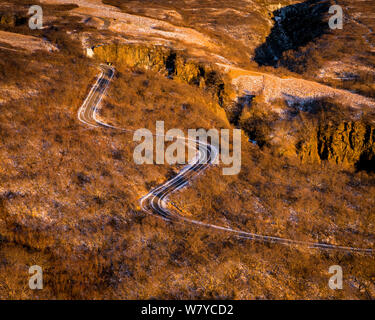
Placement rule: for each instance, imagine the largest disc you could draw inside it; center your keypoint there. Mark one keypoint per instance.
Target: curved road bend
(155, 202)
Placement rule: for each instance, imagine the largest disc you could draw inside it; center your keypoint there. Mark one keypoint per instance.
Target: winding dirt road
(156, 201)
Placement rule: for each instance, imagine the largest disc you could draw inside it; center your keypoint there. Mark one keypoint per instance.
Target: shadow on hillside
(295, 26)
(366, 162)
(234, 114)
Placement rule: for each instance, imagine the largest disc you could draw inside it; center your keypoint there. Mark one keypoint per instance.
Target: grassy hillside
(69, 193)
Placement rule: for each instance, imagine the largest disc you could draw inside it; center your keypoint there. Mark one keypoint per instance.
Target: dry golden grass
(69, 198)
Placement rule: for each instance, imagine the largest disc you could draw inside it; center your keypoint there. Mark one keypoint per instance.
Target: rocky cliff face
(348, 143)
(169, 62)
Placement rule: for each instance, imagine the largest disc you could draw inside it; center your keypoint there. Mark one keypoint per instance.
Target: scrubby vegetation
(308, 47)
(80, 221)
(69, 194)
(338, 138)
(314, 131)
(171, 63)
(294, 26)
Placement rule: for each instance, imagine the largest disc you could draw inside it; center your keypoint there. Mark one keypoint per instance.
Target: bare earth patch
(28, 43)
(137, 25)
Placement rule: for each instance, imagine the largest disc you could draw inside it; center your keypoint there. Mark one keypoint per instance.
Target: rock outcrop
(169, 62)
(348, 143)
